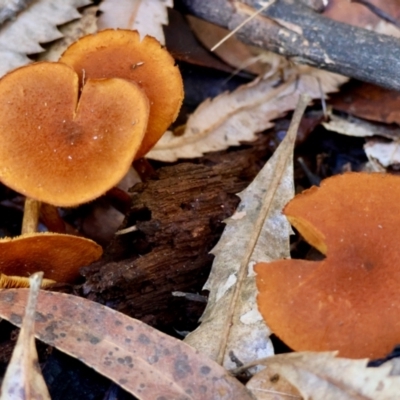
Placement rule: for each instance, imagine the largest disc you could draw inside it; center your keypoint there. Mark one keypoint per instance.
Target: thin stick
(31, 216)
(126, 230)
(223, 40)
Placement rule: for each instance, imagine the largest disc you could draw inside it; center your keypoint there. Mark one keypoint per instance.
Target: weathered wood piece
(179, 218)
(294, 30)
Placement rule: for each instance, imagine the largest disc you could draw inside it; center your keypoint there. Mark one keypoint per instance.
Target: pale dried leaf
(145, 362)
(34, 25)
(256, 232)
(71, 32)
(383, 152)
(10, 9)
(352, 126)
(145, 16)
(23, 379)
(322, 376)
(233, 118)
(271, 386)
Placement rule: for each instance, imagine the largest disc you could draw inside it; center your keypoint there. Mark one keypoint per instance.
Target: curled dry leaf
(322, 376)
(236, 117)
(145, 16)
(352, 126)
(145, 362)
(350, 300)
(257, 231)
(23, 379)
(36, 24)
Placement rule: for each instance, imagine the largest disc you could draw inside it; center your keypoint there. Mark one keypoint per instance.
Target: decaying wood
(294, 30)
(179, 218)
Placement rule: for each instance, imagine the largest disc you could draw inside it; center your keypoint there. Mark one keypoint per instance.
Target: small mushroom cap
(61, 150)
(350, 301)
(59, 256)
(121, 53)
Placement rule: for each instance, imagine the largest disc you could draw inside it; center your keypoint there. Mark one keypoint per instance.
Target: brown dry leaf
(236, 117)
(36, 24)
(232, 51)
(358, 15)
(257, 231)
(322, 376)
(145, 362)
(368, 101)
(363, 99)
(71, 32)
(145, 16)
(23, 379)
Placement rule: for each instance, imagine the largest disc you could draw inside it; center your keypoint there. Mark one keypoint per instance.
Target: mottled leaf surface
(145, 362)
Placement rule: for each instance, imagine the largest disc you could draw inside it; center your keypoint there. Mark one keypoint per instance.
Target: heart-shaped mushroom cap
(61, 150)
(121, 54)
(350, 301)
(59, 256)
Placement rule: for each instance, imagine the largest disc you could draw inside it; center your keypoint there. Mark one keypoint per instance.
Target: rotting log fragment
(179, 218)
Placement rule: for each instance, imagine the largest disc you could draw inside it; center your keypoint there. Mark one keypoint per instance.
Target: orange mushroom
(121, 53)
(59, 256)
(350, 301)
(60, 149)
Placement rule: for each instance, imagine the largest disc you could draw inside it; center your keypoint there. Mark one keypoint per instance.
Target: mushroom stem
(30, 220)
(50, 217)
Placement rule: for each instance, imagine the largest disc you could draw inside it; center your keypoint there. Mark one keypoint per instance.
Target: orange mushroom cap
(61, 150)
(59, 256)
(350, 301)
(121, 53)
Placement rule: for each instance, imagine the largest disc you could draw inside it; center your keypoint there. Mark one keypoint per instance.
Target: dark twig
(294, 30)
